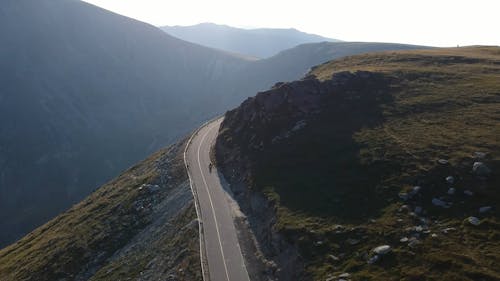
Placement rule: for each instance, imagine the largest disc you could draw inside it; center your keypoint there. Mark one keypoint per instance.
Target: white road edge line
(212, 205)
(196, 206)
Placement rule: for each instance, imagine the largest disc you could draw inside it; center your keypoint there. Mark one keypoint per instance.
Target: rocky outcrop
(308, 155)
(480, 169)
(268, 120)
(279, 112)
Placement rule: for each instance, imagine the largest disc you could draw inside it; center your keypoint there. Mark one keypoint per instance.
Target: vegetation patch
(98, 239)
(386, 158)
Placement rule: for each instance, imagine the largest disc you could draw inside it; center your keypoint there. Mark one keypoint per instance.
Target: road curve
(221, 254)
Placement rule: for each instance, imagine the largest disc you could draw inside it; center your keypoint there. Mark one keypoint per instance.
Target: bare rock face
(260, 119)
(480, 169)
(382, 250)
(474, 221)
(268, 120)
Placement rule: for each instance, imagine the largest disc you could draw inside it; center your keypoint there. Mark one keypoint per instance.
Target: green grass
(179, 249)
(350, 162)
(89, 233)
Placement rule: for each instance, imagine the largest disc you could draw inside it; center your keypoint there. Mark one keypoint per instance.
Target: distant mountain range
(259, 43)
(85, 93)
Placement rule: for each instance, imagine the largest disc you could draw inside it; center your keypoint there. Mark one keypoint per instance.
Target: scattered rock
(403, 240)
(299, 125)
(404, 208)
(338, 227)
(352, 241)
(344, 275)
(413, 242)
(149, 187)
(373, 259)
(440, 203)
(443, 161)
(474, 220)
(404, 196)
(419, 228)
(418, 210)
(484, 209)
(434, 235)
(424, 220)
(451, 191)
(448, 229)
(468, 192)
(479, 155)
(382, 250)
(480, 169)
(408, 195)
(450, 179)
(415, 190)
(334, 258)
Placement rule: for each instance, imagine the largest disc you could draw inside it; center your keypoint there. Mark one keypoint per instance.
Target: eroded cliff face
(274, 115)
(266, 121)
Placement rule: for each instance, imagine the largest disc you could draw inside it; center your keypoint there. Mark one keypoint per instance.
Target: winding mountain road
(221, 254)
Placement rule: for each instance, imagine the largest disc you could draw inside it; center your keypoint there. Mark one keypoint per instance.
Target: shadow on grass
(317, 170)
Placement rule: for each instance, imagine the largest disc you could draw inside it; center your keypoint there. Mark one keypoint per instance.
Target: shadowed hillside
(141, 226)
(294, 63)
(393, 148)
(85, 93)
(258, 43)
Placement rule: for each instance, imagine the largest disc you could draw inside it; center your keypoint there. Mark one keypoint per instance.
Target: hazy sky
(427, 22)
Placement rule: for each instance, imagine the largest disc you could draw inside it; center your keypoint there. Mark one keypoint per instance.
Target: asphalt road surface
(222, 250)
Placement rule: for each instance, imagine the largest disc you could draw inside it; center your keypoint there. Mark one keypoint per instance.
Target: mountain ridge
(85, 93)
(258, 43)
(142, 224)
(99, 82)
(379, 149)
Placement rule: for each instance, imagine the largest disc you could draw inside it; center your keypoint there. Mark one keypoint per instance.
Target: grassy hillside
(86, 93)
(335, 156)
(292, 64)
(138, 226)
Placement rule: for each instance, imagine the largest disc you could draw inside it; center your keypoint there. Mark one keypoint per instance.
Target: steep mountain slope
(395, 148)
(292, 64)
(140, 226)
(259, 43)
(85, 93)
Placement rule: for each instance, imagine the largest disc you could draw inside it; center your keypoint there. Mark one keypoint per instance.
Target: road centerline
(211, 202)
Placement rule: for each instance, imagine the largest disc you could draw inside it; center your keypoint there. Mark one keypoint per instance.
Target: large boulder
(474, 221)
(480, 169)
(382, 250)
